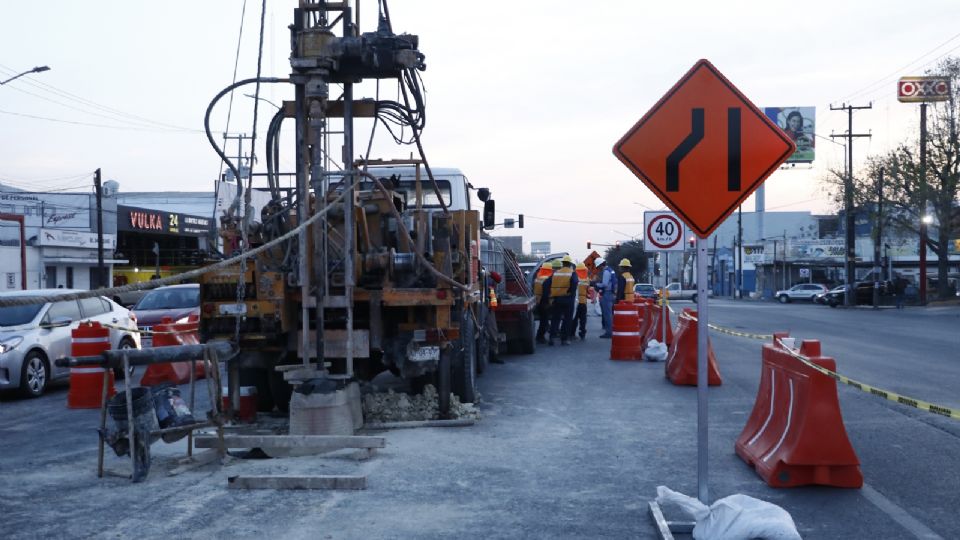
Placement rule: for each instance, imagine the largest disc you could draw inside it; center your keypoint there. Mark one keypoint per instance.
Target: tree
(905, 187)
(632, 250)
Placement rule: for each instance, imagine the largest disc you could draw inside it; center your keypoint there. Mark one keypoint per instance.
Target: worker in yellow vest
(625, 282)
(543, 301)
(562, 288)
(580, 317)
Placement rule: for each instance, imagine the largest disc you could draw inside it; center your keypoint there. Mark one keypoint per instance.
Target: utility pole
(877, 269)
(101, 271)
(850, 239)
(923, 204)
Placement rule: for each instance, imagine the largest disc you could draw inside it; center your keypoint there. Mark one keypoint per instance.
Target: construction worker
(625, 282)
(562, 290)
(607, 287)
(580, 317)
(543, 300)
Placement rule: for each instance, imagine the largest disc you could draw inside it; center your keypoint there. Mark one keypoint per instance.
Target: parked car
(823, 297)
(863, 293)
(34, 336)
(676, 292)
(645, 290)
(174, 301)
(803, 291)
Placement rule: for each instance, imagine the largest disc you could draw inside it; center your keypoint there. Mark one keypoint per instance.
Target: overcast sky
(527, 99)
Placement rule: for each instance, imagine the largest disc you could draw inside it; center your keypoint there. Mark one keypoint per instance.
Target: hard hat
(557, 263)
(581, 266)
(567, 259)
(625, 262)
(600, 261)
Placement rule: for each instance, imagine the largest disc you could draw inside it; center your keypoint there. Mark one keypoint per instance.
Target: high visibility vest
(560, 286)
(628, 287)
(538, 287)
(582, 289)
(493, 298)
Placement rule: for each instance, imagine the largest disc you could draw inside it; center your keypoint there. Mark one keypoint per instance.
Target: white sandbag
(655, 351)
(737, 517)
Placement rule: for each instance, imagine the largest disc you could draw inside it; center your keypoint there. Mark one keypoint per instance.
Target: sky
(527, 101)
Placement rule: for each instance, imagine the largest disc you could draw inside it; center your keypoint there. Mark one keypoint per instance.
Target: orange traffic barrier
(167, 334)
(625, 344)
(644, 307)
(655, 330)
(681, 366)
(86, 383)
(795, 434)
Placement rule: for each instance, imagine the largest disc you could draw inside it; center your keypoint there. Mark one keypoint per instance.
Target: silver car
(803, 291)
(33, 336)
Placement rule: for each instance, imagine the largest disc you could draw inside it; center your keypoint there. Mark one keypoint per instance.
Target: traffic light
(588, 244)
(692, 240)
(656, 269)
(520, 221)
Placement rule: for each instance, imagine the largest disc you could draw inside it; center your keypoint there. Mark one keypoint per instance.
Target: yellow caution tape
(722, 330)
(885, 394)
(863, 387)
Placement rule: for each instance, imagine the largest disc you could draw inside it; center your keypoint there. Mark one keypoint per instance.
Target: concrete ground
(571, 445)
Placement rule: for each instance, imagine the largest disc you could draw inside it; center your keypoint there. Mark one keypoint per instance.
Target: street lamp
(37, 69)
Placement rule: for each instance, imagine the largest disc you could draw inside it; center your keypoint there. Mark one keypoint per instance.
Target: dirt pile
(398, 407)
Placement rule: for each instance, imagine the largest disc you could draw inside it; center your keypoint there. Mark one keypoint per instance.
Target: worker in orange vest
(625, 282)
(580, 317)
(562, 288)
(543, 300)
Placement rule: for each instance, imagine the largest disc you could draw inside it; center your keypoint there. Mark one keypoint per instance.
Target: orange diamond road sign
(703, 148)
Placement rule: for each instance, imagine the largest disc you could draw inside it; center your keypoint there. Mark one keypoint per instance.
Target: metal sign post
(663, 295)
(702, 370)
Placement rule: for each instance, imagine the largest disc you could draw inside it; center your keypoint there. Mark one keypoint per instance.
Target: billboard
(540, 249)
(921, 89)
(799, 124)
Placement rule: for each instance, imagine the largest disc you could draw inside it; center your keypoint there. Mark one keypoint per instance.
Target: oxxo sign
(662, 231)
(920, 89)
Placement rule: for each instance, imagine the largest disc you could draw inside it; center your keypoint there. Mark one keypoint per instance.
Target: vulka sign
(147, 221)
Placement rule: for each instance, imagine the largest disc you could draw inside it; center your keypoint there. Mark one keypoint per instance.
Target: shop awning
(82, 260)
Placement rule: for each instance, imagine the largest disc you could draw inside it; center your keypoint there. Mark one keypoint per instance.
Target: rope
(170, 280)
(863, 387)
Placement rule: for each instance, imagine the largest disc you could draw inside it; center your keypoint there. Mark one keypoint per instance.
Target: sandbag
(737, 517)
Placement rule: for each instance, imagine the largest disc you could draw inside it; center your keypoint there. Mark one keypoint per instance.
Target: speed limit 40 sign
(662, 231)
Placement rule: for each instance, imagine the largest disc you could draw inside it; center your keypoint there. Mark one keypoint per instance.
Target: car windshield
(645, 288)
(179, 298)
(17, 315)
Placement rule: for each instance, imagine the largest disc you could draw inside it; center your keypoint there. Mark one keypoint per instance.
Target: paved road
(572, 445)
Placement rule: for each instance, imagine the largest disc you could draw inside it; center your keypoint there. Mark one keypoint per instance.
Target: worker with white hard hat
(607, 287)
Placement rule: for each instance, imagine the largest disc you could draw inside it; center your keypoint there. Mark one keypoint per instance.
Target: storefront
(157, 242)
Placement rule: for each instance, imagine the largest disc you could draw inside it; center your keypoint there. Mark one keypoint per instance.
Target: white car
(803, 291)
(33, 336)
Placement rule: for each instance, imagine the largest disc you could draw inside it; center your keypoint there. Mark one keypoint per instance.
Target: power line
(894, 74)
(67, 105)
(91, 124)
(67, 95)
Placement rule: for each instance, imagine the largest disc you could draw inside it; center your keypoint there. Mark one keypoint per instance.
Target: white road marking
(901, 516)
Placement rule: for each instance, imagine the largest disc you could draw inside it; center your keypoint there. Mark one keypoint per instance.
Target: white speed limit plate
(663, 231)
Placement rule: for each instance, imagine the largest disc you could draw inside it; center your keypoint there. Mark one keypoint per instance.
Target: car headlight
(10, 343)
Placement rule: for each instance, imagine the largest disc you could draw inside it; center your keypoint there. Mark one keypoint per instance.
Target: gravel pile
(396, 407)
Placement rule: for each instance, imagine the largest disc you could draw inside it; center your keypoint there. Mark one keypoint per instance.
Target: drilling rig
(384, 272)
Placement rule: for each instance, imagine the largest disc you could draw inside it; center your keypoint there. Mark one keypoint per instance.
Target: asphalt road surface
(571, 445)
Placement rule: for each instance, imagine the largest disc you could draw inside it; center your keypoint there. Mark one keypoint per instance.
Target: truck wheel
(527, 334)
(465, 362)
(443, 382)
(693, 298)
